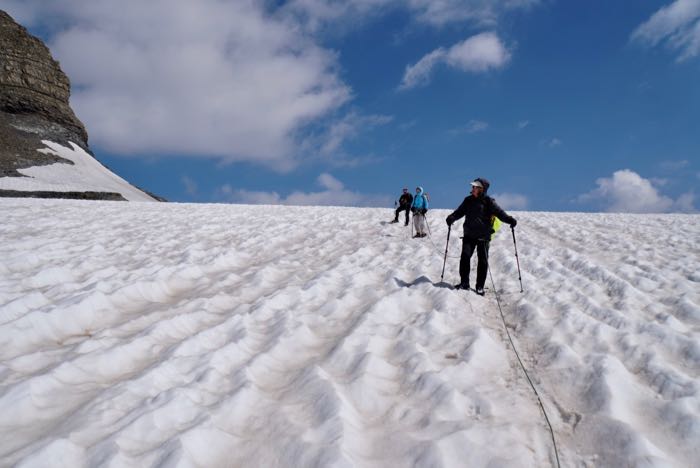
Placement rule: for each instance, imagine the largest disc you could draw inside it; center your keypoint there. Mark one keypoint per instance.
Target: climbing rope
(522, 366)
(512, 344)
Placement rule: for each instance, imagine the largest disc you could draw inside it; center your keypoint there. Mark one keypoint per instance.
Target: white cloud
(248, 197)
(235, 80)
(221, 79)
(330, 183)
(685, 203)
(522, 124)
(511, 201)
(476, 54)
(677, 24)
(479, 53)
(334, 193)
(628, 192)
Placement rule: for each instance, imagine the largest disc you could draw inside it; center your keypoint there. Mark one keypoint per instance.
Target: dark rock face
(34, 101)
(34, 106)
(32, 80)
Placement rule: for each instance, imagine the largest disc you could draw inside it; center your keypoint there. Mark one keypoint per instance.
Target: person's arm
(458, 213)
(502, 215)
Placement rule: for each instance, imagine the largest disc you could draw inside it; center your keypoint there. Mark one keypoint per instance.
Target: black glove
(449, 220)
(513, 223)
(423, 211)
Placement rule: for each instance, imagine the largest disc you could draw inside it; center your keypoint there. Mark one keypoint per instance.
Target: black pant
(399, 210)
(482, 255)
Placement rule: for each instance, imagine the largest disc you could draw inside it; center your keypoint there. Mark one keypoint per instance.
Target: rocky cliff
(34, 106)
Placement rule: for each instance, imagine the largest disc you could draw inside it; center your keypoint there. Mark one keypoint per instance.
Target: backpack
(495, 226)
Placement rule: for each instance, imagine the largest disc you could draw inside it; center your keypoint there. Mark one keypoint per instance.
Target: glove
(423, 211)
(413, 210)
(449, 220)
(513, 223)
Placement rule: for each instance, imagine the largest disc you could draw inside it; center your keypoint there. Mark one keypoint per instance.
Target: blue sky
(564, 106)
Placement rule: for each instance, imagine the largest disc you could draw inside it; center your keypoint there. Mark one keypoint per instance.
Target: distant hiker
(479, 211)
(419, 208)
(405, 202)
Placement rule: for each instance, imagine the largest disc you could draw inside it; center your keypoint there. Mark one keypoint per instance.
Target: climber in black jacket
(405, 202)
(478, 210)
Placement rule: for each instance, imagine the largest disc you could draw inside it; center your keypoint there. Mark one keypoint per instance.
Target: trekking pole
(449, 228)
(515, 244)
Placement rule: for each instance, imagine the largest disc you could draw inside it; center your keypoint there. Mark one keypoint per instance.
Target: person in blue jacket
(419, 208)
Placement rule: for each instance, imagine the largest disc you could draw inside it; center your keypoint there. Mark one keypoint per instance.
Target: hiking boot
(416, 236)
(464, 286)
(480, 291)
(394, 221)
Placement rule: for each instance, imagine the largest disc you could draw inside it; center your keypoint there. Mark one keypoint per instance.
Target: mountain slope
(43, 145)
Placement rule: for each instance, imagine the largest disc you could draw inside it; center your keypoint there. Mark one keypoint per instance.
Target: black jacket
(477, 214)
(406, 199)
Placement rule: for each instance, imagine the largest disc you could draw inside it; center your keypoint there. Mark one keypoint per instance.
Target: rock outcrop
(32, 81)
(34, 101)
(34, 106)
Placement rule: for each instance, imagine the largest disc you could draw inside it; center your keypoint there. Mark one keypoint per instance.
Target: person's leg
(396, 214)
(482, 268)
(407, 212)
(467, 251)
(416, 224)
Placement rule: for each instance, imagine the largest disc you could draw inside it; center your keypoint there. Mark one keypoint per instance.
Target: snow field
(137, 334)
(85, 174)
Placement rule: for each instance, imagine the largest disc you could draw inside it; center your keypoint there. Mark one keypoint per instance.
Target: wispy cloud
(408, 125)
(319, 14)
(347, 128)
(333, 193)
(677, 25)
(628, 192)
(473, 126)
(522, 124)
(190, 185)
(512, 201)
(553, 142)
(673, 166)
(476, 54)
